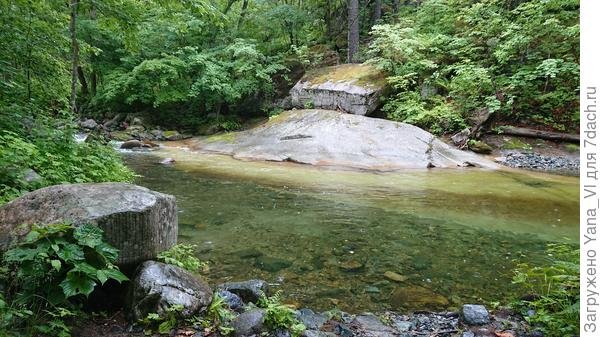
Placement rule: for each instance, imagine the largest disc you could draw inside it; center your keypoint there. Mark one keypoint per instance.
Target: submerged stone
(271, 264)
(390, 275)
(417, 297)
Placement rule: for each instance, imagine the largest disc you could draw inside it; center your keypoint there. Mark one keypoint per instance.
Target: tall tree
(353, 26)
(74, 55)
(243, 13)
(376, 11)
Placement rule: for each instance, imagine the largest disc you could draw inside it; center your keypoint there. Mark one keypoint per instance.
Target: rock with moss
(121, 136)
(137, 221)
(478, 146)
(353, 88)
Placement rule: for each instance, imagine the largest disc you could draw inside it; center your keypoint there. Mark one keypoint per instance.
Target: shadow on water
(326, 238)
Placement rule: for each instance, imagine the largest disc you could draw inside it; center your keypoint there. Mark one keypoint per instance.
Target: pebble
(390, 275)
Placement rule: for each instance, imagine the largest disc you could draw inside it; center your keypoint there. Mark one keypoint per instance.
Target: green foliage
(162, 324)
(520, 60)
(218, 317)
(555, 289)
(437, 116)
(56, 158)
(53, 267)
(280, 316)
(183, 256)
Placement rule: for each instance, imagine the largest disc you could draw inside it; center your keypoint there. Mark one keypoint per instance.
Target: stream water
(327, 237)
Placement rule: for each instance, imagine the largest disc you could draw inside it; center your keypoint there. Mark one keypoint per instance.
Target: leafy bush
(440, 118)
(519, 59)
(49, 271)
(554, 288)
(57, 159)
(280, 316)
(182, 255)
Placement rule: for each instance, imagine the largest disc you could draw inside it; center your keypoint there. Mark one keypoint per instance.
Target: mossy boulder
(478, 146)
(352, 88)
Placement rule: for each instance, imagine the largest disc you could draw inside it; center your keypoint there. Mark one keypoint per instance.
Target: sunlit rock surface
(331, 138)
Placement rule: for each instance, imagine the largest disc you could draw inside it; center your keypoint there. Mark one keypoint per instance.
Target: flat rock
(158, 286)
(332, 138)
(139, 222)
(353, 88)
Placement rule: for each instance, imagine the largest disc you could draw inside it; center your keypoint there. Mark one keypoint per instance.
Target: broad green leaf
(101, 275)
(56, 264)
(71, 252)
(115, 274)
(77, 284)
(88, 235)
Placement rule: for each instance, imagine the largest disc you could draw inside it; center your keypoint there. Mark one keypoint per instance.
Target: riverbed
(326, 237)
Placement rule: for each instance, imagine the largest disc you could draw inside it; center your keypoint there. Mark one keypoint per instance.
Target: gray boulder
(249, 291)
(353, 88)
(89, 124)
(137, 221)
(475, 314)
(158, 286)
(249, 323)
(331, 138)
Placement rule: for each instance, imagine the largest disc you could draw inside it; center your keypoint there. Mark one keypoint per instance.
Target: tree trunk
(396, 5)
(82, 81)
(228, 7)
(243, 13)
(74, 55)
(547, 135)
(353, 25)
(94, 81)
(376, 11)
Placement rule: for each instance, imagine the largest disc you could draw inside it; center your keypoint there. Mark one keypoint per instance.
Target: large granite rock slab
(332, 138)
(158, 286)
(352, 88)
(137, 221)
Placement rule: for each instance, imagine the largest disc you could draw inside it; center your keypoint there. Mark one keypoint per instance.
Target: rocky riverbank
(250, 320)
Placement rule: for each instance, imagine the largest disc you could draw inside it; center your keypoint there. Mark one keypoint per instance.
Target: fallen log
(531, 133)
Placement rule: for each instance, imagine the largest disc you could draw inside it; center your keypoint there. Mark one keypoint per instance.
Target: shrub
(554, 288)
(57, 158)
(280, 316)
(52, 269)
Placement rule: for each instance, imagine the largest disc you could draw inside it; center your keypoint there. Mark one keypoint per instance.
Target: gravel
(534, 161)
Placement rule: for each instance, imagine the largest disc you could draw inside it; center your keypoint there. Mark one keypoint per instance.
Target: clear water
(326, 237)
